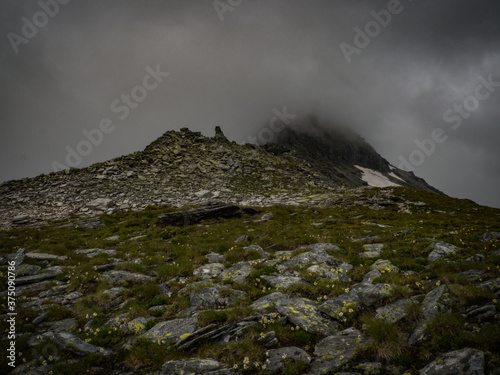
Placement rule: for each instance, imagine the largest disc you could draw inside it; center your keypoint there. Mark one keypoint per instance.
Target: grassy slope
(459, 222)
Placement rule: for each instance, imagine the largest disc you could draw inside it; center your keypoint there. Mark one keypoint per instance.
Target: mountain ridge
(178, 167)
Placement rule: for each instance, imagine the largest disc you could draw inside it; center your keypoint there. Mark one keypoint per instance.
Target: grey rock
(21, 219)
(492, 285)
(370, 276)
(237, 273)
(489, 236)
(203, 194)
(335, 351)
(395, 311)
(372, 250)
(190, 366)
(42, 256)
(94, 252)
(254, 248)
(370, 293)
(476, 258)
(460, 362)
(332, 269)
(304, 313)
(171, 330)
(242, 238)
(441, 250)
(215, 258)
(118, 277)
(482, 313)
(269, 302)
(341, 306)
(215, 297)
(209, 271)
(474, 275)
(27, 270)
(101, 204)
(138, 325)
(37, 278)
(430, 307)
(277, 357)
(283, 282)
(76, 345)
(17, 257)
(384, 265)
(320, 247)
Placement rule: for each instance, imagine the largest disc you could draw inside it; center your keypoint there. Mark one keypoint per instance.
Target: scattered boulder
(77, 346)
(372, 250)
(283, 282)
(195, 216)
(101, 204)
(304, 313)
(190, 366)
(441, 250)
(171, 330)
(209, 271)
(460, 362)
(237, 273)
(395, 311)
(335, 351)
(489, 236)
(215, 297)
(277, 357)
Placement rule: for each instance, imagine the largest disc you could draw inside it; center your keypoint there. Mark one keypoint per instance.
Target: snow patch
(374, 178)
(399, 178)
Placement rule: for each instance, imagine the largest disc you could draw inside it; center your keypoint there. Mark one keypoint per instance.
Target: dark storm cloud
(238, 72)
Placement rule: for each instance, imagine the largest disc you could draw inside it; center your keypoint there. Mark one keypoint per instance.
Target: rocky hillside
(312, 255)
(182, 168)
(382, 281)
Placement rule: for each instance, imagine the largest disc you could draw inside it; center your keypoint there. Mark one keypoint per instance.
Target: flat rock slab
(283, 282)
(440, 250)
(490, 236)
(27, 270)
(371, 293)
(215, 258)
(118, 277)
(190, 366)
(215, 297)
(268, 303)
(395, 311)
(94, 252)
(304, 313)
(237, 273)
(383, 265)
(460, 362)
(171, 330)
(430, 307)
(341, 306)
(277, 357)
(209, 271)
(37, 278)
(76, 345)
(335, 351)
(43, 256)
(195, 216)
(317, 255)
(372, 250)
(332, 269)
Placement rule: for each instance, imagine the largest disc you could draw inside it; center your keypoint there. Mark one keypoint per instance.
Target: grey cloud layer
(263, 55)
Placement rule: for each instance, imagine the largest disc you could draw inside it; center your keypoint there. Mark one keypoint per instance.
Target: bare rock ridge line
(186, 168)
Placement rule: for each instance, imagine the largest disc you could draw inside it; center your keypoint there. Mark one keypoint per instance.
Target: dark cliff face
(336, 151)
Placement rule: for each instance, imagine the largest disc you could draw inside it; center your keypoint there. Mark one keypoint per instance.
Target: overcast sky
(396, 72)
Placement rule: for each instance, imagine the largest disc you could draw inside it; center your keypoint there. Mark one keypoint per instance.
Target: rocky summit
(185, 167)
(311, 255)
